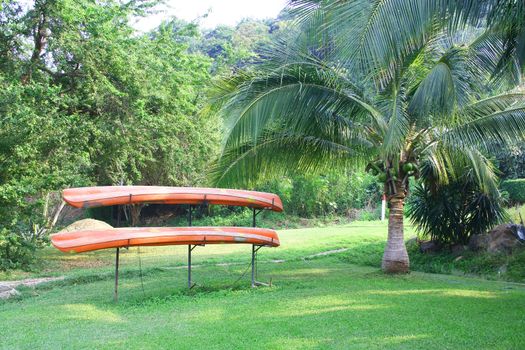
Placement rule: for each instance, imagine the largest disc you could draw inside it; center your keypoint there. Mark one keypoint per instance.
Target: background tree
(398, 85)
(234, 47)
(510, 160)
(85, 100)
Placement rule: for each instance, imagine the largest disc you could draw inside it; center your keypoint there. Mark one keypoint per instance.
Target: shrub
(451, 213)
(17, 248)
(515, 189)
(311, 196)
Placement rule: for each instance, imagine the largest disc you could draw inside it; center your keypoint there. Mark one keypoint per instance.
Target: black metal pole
(189, 266)
(253, 265)
(190, 209)
(116, 274)
(254, 218)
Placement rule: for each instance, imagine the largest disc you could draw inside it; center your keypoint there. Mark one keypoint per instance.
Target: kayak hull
(90, 240)
(87, 197)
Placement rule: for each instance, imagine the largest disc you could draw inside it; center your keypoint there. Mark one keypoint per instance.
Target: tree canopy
(85, 100)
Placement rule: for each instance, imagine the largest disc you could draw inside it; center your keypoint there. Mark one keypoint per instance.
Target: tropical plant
(405, 88)
(451, 213)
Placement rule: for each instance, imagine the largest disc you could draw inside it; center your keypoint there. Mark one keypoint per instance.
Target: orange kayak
(86, 197)
(88, 240)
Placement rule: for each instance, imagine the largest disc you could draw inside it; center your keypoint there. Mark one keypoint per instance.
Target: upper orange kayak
(86, 197)
(88, 240)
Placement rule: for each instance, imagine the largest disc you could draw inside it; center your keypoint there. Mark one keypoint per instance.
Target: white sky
(228, 12)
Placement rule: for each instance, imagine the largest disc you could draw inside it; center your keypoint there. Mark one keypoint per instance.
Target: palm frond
(445, 163)
(436, 95)
(283, 152)
(507, 17)
(295, 102)
(397, 127)
(292, 97)
(493, 121)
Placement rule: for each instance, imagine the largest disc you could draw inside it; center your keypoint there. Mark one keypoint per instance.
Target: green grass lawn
(316, 303)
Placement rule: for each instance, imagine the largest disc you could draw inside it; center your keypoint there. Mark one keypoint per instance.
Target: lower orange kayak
(89, 240)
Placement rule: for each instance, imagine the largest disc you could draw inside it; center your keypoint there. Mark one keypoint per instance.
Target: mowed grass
(322, 302)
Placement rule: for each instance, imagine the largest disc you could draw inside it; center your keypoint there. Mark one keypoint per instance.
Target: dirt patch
(8, 288)
(67, 265)
(328, 252)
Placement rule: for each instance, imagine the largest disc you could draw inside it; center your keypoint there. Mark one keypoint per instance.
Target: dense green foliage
(515, 189)
(510, 161)
(236, 47)
(331, 194)
(84, 100)
(307, 200)
(451, 213)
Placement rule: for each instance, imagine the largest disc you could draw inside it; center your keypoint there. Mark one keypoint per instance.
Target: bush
(17, 248)
(515, 189)
(310, 196)
(451, 213)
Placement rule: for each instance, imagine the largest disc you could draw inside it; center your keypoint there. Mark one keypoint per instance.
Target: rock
(6, 293)
(429, 247)
(503, 239)
(478, 242)
(7, 288)
(457, 249)
(86, 224)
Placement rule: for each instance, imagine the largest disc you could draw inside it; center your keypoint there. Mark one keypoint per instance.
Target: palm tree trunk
(395, 257)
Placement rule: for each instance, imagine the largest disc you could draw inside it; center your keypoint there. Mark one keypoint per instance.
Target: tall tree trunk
(135, 210)
(395, 257)
(40, 35)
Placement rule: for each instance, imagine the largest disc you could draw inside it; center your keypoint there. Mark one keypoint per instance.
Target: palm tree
(403, 88)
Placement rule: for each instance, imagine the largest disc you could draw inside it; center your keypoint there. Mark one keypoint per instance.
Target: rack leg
(253, 265)
(189, 266)
(255, 283)
(116, 274)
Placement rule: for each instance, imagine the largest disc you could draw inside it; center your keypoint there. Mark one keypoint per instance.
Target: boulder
(86, 224)
(478, 242)
(503, 238)
(457, 249)
(429, 247)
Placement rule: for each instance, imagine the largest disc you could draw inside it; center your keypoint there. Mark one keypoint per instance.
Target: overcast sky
(228, 12)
